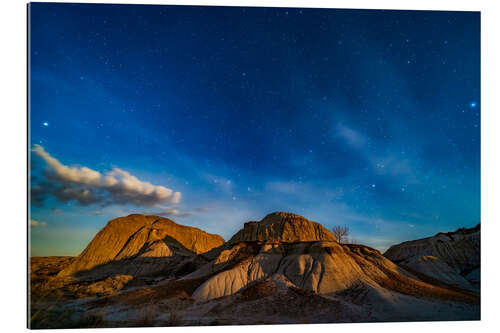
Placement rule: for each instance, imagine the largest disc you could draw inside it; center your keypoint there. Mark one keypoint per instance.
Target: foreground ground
(122, 301)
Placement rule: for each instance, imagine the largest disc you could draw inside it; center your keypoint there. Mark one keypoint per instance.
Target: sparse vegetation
(341, 233)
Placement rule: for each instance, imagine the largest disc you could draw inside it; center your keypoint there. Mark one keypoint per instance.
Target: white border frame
(14, 144)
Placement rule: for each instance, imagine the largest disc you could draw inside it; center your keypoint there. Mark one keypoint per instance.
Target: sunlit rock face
(138, 244)
(453, 257)
(288, 247)
(282, 227)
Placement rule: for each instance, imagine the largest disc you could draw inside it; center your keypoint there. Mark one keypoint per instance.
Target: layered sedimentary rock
(289, 247)
(453, 257)
(138, 244)
(284, 269)
(283, 228)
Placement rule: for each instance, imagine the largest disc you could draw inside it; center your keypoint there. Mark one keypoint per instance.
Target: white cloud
(128, 188)
(81, 175)
(88, 186)
(34, 223)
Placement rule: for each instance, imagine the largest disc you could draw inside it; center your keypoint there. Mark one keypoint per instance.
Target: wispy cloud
(179, 212)
(222, 184)
(56, 210)
(287, 187)
(87, 186)
(351, 136)
(397, 165)
(35, 223)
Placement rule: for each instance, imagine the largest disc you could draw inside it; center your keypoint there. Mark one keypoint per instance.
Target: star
(373, 185)
(473, 104)
(45, 124)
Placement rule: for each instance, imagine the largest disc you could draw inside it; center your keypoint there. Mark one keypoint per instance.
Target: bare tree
(341, 233)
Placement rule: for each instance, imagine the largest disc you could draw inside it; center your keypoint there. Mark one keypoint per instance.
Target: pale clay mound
(276, 300)
(453, 258)
(138, 244)
(317, 263)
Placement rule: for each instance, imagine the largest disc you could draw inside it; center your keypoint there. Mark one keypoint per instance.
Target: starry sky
(214, 116)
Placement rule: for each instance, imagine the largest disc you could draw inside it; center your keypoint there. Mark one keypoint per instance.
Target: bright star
(45, 124)
(473, 104)
(373, 185)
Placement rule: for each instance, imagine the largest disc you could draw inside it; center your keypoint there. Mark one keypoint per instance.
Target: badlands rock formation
(452, 258)
(149, 271)
(138, 244)
(288, 247)
(282, 228)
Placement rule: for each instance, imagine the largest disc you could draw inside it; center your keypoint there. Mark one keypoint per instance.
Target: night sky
(214, 116)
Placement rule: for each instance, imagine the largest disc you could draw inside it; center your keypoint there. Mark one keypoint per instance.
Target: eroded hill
(452, 258)
(282, 269)
(138, 245)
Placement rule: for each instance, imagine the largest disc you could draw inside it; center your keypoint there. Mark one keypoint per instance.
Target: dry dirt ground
(124, 301)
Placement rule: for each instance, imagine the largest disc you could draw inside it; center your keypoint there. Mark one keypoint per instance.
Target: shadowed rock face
(453, 257)
(282, 227)
(136, 240)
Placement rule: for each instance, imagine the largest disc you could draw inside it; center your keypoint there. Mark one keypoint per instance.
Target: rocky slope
(281, 270)
(452, 258)
(304, 253)
(282, 227)
(137, 245)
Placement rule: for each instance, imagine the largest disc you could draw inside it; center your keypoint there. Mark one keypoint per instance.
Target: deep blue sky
(359, 117)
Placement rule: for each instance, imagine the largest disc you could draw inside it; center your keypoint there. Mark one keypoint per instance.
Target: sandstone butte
(282, 228)
(138, 236)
